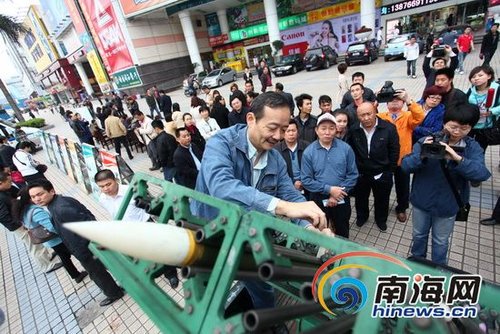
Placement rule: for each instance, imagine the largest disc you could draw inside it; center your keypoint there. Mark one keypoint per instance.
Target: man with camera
(405, 122)
(443, 165)
(375, 143)
(438, 63)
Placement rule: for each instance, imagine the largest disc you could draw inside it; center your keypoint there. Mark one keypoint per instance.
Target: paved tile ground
(52, 303)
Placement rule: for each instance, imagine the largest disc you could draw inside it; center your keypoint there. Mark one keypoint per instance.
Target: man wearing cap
(405, 122)
(329, 172)
(375, 143)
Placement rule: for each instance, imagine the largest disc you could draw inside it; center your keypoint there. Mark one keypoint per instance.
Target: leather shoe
(489, 221)
(55, 267)
(80, 277)
(401, 216)
(382, 227)
(110, 300)
(174, 282)
(360, 222)
(154, 168)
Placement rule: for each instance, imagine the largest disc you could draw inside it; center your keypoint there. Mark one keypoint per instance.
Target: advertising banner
(135, 7)
(83, 169)
(45, 145)
(75, 17)
(108, 160)
(242, 16)
(58, 153)
(98, 70)
(75, 163)
(102, 17)
(54, 13)
(65, 158)
(89, 154)
(213, 25)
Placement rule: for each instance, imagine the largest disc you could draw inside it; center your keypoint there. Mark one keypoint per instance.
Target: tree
(11, 29)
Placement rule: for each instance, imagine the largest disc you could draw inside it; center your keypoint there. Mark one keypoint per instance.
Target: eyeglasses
(462, 129)
(435, 97)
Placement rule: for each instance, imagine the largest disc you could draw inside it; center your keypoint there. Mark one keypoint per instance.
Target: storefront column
(190, 37)
(368, 14)
(85, 78)
(224, 26)
(273, 29)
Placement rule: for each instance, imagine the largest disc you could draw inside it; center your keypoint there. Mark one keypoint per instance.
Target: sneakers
(414, 76)
(80, 277)
(55, 267)
(461, 72)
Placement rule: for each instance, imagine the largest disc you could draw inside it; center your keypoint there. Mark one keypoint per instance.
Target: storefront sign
(106, 27)
(341, 9)
(99, 72)
(127, 78)
(242, 16)
(218, 40)
(292, 21)
(406, 5)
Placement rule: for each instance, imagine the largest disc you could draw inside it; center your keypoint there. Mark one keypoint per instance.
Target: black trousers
(65, 255)
(101, 277)
(118, 141)
(496, 211)
(402, 184)
(381, 193)
(337, 216)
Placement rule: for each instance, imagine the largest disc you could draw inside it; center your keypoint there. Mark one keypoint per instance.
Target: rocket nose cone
(156, 242)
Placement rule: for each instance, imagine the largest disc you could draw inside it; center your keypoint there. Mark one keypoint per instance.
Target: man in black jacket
(452, 95)
(9, 218)
(489, 44)
(437, 64)
(165, 104)
(166, 145)
(151, 101)
(187, 159)
(368, 95)
(291, 149)
(306, 123)
(376, 145)
(288, 96)
(6, 153)
(67, 209)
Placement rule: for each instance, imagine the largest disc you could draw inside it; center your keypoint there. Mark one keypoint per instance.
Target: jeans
(411, 67)
(402, 184)
(441, 231)
(152, 109)
(461, 59)
(169, 173)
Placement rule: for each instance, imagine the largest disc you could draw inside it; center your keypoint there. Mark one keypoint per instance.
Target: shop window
(63, 48)
(29, 39)
(199, 24)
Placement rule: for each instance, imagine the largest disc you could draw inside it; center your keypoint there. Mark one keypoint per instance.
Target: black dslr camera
(435, 150)
(387, 93)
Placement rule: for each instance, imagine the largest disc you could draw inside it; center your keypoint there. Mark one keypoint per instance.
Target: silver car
(219, 77)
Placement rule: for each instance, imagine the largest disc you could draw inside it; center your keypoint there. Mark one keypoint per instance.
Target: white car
(219, 77)
(7, 129)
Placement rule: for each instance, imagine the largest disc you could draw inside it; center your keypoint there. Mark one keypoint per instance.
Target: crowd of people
(267, 152)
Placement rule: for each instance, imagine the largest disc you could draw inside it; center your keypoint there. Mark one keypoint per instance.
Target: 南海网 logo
(349, 292)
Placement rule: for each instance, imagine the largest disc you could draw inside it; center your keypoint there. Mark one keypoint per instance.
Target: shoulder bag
(38, 234)
(463, 208)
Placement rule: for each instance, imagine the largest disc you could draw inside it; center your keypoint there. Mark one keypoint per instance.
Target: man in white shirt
(380, 36)
(145, 133)
(412, 50)
(111, 199)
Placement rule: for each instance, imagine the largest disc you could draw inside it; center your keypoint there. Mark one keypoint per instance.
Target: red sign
(218, 40)
(101, 16)
(298, 48)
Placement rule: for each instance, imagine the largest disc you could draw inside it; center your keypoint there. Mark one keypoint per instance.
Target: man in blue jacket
(434, 204)
(240, 166)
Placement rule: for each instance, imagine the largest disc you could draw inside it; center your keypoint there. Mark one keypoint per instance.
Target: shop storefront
(431, 16)
(302, 26)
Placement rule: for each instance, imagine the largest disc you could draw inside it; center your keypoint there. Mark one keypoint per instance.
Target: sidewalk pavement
(52, 303)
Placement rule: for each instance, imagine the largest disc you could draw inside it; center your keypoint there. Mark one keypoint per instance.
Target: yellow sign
(98, 70)
(341, 9)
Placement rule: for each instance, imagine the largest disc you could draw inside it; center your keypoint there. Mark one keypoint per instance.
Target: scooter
(191, 85)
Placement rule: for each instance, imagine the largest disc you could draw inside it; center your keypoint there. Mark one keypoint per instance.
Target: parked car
(219, 77)
(8, 128)
(438, 41)
(322, 57)
(361, 52)
(395, 47)
(288, 64)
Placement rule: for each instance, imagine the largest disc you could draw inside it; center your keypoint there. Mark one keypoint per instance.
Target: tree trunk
(11, 101)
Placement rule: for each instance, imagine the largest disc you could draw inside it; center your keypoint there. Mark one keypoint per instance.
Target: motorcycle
(191, 85)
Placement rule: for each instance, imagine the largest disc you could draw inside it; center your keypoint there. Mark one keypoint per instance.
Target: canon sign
(294, 36)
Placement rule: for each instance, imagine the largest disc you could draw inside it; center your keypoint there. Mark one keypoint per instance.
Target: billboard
(101, 16)
(134, 7)
(54, 14)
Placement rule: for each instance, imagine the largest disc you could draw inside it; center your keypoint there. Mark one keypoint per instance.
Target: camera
(435, 150)
(387, 93)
